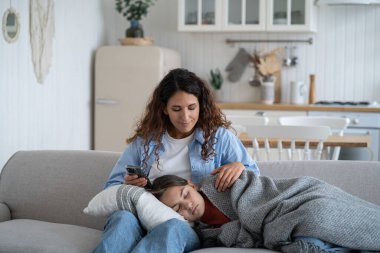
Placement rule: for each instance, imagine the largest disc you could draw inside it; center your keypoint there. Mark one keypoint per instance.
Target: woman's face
(185, 200)
(183, 111)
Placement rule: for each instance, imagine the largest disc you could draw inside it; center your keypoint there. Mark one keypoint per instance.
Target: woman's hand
(135, 180)
(227, 175)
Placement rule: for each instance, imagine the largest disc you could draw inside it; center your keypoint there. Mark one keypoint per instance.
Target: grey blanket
(269, 212)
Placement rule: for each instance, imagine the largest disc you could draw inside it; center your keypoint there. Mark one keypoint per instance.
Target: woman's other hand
(135, 180)
(227, 175)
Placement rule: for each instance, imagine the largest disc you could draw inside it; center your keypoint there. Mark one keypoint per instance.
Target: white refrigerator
(125, 77)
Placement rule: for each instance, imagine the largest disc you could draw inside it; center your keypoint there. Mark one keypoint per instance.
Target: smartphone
(137, 170)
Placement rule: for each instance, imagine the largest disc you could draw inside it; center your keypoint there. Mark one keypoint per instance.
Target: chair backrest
(288, 137)
(337, 125)
(240, 122)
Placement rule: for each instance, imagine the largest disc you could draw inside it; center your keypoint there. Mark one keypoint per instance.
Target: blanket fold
(270, 212)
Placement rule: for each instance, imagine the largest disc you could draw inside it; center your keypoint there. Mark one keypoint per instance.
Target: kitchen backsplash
(344, 56)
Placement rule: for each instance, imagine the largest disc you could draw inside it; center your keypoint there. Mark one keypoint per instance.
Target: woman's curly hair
(155, 122)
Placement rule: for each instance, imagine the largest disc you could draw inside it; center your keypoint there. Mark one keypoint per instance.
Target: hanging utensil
(287, 60)
(294, 58)
(255, 80)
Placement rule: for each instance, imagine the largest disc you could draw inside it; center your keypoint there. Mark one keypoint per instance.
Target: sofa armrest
(5, 213)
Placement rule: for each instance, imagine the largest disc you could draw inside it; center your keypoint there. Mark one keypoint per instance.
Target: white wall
(55, 114)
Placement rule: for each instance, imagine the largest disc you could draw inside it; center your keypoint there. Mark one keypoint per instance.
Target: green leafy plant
(133, 9)
(216, 79)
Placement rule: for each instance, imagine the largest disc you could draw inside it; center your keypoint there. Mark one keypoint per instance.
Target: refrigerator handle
(105, 101)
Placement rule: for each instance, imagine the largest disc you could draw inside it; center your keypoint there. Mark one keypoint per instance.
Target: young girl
(291, 215)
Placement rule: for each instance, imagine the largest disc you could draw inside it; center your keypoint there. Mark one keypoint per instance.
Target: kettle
(297, 92)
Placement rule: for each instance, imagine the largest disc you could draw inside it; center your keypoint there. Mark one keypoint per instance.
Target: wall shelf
(232, 41)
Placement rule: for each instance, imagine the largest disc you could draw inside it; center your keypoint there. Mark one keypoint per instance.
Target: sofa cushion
(5, 213)
(32, 236)
(55, 186)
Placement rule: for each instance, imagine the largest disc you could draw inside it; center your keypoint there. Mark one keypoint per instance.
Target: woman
(184, 133)
(291, 215)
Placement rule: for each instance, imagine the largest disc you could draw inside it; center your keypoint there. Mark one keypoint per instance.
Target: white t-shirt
(175, 160)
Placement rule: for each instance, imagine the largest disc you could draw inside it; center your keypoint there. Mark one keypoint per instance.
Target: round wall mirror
(11, 25)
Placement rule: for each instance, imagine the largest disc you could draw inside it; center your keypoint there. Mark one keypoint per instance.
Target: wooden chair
(337, 125)
(291, 138)
(240, 122)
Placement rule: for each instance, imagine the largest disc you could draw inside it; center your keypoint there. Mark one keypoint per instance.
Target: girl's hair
(161, 184)
(155, 122)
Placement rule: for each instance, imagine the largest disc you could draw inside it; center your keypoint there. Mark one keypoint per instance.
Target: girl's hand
(227, 175)
(135, 180)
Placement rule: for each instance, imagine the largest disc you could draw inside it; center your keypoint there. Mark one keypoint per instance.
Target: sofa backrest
(360, 178)
(55, 186)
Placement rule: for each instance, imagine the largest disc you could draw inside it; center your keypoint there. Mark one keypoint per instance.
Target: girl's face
(185, 200)
(183, 111)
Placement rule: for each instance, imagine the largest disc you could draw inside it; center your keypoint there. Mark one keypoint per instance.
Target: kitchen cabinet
(199, 15)
(246, 15)
(291, 15)
(243, 15)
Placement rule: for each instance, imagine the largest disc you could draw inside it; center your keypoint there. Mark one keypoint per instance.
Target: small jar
(267, 90)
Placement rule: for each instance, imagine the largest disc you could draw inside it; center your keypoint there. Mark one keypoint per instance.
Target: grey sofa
(43, 193)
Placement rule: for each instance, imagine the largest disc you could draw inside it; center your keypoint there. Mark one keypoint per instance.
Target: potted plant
(216, 81)
(134, 11)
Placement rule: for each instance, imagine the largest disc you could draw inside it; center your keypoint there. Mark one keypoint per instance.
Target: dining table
(345, 141)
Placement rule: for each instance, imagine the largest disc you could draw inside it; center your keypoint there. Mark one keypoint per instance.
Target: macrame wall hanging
(41, 36)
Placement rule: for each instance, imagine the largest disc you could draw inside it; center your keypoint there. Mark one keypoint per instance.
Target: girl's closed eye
(185, 200)
(180, 208)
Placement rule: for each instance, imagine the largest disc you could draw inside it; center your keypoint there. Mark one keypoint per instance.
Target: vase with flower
(267, 65)
(267, 90)
(134, 11)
